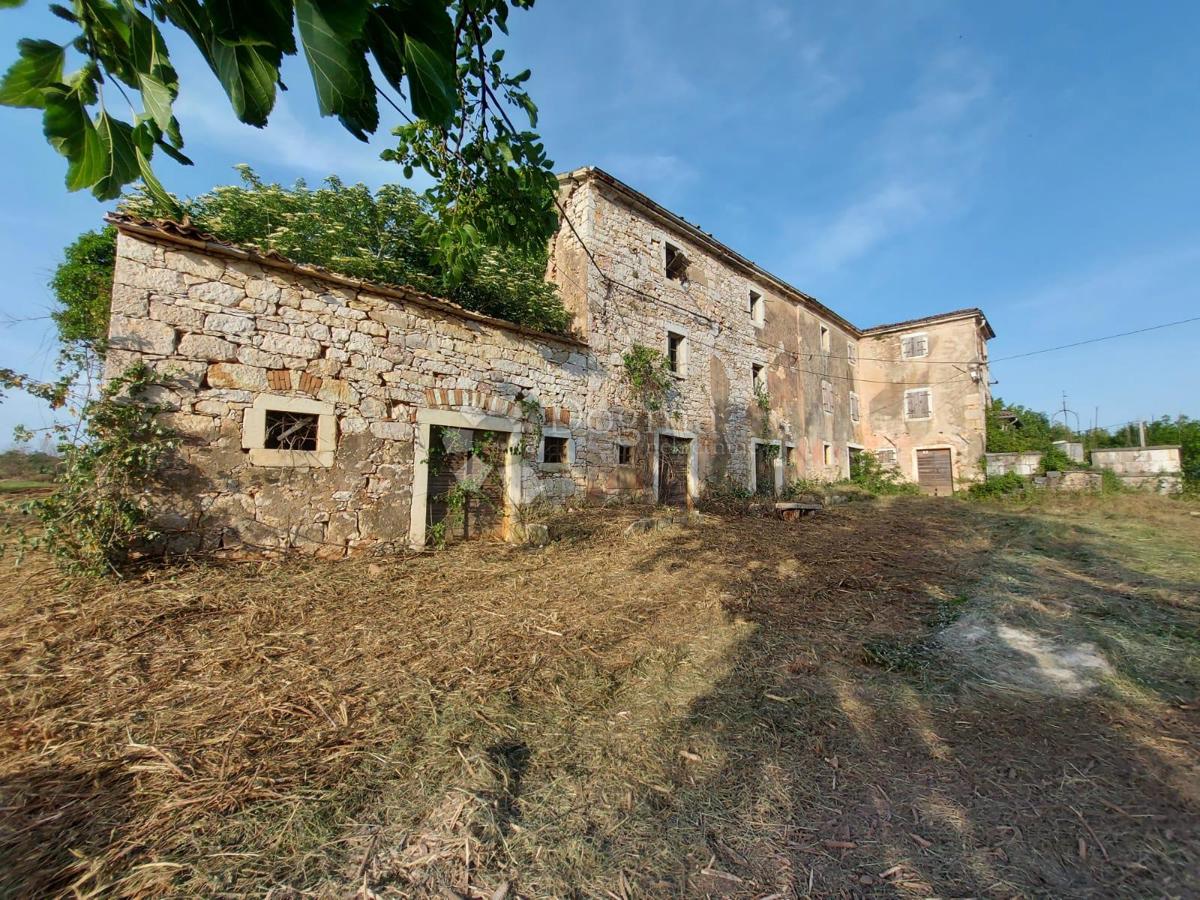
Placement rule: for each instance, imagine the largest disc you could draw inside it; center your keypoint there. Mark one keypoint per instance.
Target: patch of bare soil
(684, 712)
(1010, 657)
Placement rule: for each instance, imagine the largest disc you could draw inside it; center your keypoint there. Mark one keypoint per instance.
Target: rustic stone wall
(243, 336)
(715, 399)
(229, 329)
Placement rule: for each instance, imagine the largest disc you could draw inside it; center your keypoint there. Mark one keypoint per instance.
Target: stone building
(328, 414)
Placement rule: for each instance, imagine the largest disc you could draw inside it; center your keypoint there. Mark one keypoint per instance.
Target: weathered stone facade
(253, 341)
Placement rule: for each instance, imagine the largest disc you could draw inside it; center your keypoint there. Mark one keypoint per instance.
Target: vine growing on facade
(647, 374)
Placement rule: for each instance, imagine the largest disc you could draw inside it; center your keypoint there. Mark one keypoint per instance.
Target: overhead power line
(1096, 340)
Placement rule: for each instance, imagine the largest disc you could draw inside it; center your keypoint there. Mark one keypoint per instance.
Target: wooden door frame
(693, 479)
(776, 466)
(916, 469)
(449, 418)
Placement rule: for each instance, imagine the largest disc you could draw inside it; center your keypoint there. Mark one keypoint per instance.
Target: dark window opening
(677, 264)
(675, 351)
(758, 378)
(290, 430)
(624, 454)
(554, 450)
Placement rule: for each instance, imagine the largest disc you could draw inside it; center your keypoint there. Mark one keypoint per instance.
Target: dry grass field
(894, 699)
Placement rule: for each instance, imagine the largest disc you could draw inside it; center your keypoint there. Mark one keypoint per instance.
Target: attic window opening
(824, 339)
(757, 315)
(677, 264)
(290, 430)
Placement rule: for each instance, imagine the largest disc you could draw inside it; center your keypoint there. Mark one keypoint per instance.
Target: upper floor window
(825, 339)
(758, 376)
(852, 353)
(757, 312)
(914, 346)
(677, 352)
(677, 264)
(827, 397)
(854, 414)
(918, 403)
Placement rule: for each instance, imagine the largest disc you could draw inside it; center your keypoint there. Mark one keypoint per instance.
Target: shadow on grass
(825, 777)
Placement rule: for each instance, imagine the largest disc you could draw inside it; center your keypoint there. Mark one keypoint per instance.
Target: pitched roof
(188, 235)
(697, 234)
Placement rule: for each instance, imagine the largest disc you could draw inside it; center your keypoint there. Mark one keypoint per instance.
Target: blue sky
(895, 160)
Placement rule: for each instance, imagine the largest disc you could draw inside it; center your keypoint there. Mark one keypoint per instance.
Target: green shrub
(1111, 483)
(98, 515)
(1008, 484)
(1056, 460)
(871, 475)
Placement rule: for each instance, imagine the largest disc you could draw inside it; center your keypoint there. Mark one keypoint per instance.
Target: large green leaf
(429, 58)
(120, 157)
(260, 22)
(248, 75)
(332, 35)
(39, 66)
(385, 36)
(70, 131)
(430, 81)
(247, 72)
(157, 99)
(153, 185)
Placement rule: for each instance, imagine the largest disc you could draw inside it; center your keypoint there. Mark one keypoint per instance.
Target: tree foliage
(1037, 432)
(82, 286)
(390, 236)
(495, 184)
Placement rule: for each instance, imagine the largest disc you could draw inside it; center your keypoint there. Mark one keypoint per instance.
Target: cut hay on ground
(683, 712)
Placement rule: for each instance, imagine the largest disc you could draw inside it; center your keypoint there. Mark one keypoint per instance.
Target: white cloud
(319, 148)
(921, 164)
(661, 175)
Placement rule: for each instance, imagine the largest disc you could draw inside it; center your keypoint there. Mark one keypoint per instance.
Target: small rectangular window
(554, 450)
(758, 377)
(853, 407)
(917, 403)
(914, 346)
(676, 263)
(852, 353)
(757, 314)
(290, 430)
(828, 454)
(886, 457)
(624, 455)
(827, 397)
(789, 457)
(676, 352)
(825, 339)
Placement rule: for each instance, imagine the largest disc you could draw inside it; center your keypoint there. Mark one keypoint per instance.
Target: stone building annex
(327, 414)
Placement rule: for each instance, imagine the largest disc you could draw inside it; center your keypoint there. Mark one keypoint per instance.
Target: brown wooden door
(764, 469)
(673, 455)
(466, 483)
(935, 474)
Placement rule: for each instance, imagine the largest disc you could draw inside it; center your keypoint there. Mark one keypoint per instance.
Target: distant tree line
(1036, 431)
